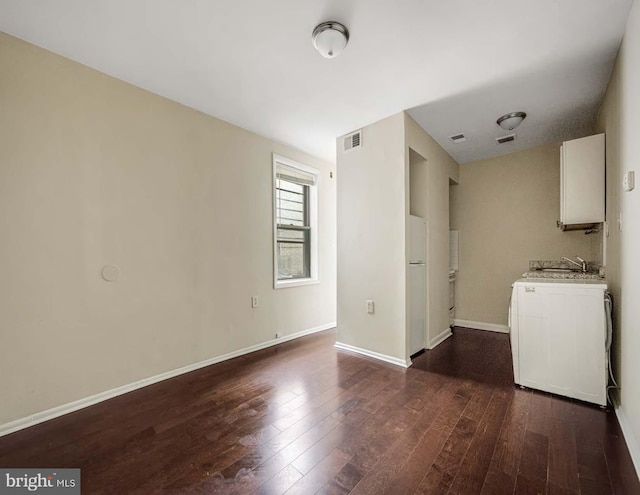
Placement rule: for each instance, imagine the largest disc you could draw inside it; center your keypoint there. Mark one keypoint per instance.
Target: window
(295, 223)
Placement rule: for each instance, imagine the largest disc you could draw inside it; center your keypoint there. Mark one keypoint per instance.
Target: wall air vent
(353, 141)
(458, 138)
(506, 139)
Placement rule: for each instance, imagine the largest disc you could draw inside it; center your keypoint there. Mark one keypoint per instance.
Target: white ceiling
(457, 64)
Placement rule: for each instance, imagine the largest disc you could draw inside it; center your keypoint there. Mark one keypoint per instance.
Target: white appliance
(559, 337)
(452, 297)
(454, 255)
(417, 283)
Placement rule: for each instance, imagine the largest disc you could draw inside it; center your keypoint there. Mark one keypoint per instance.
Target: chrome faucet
(582, 264)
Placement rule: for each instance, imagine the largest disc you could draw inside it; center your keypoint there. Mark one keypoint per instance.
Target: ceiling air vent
(506, 139)
(353, 141)
(458, 138)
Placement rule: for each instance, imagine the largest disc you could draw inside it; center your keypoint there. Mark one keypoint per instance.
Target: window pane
(291, 235)
(291, 203)
(293, 257)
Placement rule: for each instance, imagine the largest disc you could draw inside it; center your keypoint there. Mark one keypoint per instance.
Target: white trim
(375, 355)
(295, 282)
(55, 412)
(478, 325)
(444, 335)
(632, 443)
(313, 223)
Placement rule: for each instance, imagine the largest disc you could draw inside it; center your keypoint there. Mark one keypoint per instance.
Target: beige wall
(434, 198)
(373, 214)
(371, 232)
(620, 119)
(94, 171)
(609, 123)
(506, 209)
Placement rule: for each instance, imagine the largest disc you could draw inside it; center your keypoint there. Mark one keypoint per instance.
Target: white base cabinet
(558, 337)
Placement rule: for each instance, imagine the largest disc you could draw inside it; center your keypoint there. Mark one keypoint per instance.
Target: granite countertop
(584, 282)
(560, 269)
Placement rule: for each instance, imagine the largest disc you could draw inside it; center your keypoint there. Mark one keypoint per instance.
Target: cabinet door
(582, 175)
(532, 338)
(533, 352)
(590, 327)
(560, 325)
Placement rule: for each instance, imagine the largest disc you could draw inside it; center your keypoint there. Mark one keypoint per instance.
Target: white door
(417, 307)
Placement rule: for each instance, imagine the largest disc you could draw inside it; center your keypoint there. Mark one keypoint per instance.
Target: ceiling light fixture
(330, 38)
(511, 120)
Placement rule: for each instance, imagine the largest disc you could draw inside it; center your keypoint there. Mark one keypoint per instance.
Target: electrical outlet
(254, 302)
(628, 181)
(370, 306)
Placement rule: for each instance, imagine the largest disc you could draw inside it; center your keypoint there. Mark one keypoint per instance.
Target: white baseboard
(376, 355)
(55, 412)
(478, 325)
(444, 335)
(629, 437)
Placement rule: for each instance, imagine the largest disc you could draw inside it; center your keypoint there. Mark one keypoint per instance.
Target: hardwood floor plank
(303, 417)
(595, 487)
(509, 447)
(530, 486)
(280, 483)
(456, 428)
(539, 413)
(318, 414)
(445, 468)
(422, 444)
(393, 467)
(563, 460)
(553, 489)
(624, 478)
(376, 435)
(498, 483)
(476, 461)
(322, 472)
(328, 444)
(535, 457)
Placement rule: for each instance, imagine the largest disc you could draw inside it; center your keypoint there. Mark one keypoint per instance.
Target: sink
(555, 269)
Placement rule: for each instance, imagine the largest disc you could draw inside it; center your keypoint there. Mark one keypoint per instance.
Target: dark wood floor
(304, 418)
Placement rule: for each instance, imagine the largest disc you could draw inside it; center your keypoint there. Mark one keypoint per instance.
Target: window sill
(296, 282)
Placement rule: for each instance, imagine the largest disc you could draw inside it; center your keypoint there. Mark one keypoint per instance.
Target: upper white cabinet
(582, 186)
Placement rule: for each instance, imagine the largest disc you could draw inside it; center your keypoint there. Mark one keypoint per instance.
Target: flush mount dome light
(330, 38)
(510, 121)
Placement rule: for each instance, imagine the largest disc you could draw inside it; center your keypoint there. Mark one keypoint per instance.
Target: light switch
(628, 181)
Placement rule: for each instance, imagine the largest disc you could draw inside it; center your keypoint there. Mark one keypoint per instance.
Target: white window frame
(313, 224)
